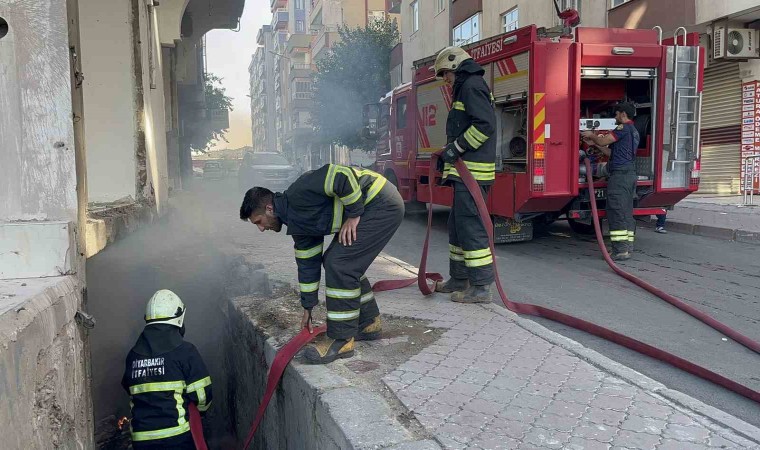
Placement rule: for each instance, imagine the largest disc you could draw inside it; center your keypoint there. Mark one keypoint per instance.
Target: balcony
(298, 40)
(323, 42)
(262, 35)
(315, 14)
(395, 6)
(280, 20)
(277, 4)
(301, 71)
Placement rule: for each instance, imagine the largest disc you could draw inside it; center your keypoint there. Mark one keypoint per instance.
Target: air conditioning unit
(735, 43)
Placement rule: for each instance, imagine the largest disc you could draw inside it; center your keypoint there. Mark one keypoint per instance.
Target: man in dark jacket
(163, 375)
(620, 146)
(470, 125)
(363, 210)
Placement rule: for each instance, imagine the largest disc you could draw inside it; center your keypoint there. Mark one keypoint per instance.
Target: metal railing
(748, 186)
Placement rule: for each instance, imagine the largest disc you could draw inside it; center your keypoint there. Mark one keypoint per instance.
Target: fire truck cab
(547, 90)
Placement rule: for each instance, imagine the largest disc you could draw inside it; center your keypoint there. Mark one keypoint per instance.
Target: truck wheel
(580, 227)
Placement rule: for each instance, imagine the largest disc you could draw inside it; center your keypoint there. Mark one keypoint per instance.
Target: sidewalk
(716, 217)
(494, 380)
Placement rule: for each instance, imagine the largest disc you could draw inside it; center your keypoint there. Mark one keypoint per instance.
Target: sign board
(750, 135)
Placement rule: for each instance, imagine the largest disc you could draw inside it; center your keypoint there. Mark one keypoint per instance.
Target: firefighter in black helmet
(163, 375)
(470, 125)
(620, 146)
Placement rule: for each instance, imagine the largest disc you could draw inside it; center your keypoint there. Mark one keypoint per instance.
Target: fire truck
(548, 86)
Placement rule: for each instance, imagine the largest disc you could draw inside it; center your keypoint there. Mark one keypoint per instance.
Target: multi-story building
(262, 81)
(429, 26)
(730, 121)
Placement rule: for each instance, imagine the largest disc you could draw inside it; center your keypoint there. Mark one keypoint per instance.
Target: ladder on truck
(686, 106)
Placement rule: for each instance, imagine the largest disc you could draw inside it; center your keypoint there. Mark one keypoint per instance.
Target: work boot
(621, 256)
(325, 350)
(372, 331)
(452, 285)
(473, 294)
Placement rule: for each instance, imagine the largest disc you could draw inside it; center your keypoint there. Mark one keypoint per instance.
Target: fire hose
(287, 352)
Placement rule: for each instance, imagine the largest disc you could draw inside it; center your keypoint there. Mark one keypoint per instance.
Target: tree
(205, 133)
(355, 73)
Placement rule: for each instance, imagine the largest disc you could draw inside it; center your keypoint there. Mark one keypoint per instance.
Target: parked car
(267, 169)
(213, 171)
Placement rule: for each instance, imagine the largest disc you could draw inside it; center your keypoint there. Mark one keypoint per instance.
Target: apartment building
(262, 81)
(429, 26)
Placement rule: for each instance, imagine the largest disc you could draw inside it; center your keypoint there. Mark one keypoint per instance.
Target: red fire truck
(547, 89)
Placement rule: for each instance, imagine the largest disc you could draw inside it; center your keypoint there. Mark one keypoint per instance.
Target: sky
(229, 54)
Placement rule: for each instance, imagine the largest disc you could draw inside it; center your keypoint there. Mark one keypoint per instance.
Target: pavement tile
(421, 391)
(439, 349)
(484, 406)
(687, 434)
(508, 382)
(417, 367)
(432, 382)
(436, 409)
(632, 439)
(656, 411)
(488, 367)
(608, 402)
(640, 424)
(558, 423)
(428, 357)
(546, 438)
(620, 390)
(531, 401)
(495, 394)
(565, 409)
(459, 433)
(596, 432)
(456, 359)
(449, 373)
(669, 444)
(450, 398)
(515, 429)
(470, 419)
(519, 413)
(409, 377)
(489, 441)
(604, 416)
(576, 443)
(518, 372)
(430, 422)
(459, 387)
(716, 441)
(449, 443)
(475, 377)
(552, 379)
(682, 419)
(571, 395)
(582, 384)
(543, 390)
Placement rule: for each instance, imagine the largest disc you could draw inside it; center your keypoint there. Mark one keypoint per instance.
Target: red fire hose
(285, 354)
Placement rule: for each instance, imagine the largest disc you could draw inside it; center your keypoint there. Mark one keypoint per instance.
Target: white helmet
(165, 307)
(449, 59)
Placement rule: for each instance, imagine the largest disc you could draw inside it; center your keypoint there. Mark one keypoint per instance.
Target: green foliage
(354, 74)
(204, 134)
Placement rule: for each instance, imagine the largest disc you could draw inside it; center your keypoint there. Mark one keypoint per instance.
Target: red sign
(750, 135)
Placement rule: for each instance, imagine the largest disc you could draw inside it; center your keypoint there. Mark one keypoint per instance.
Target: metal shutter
(721, 129)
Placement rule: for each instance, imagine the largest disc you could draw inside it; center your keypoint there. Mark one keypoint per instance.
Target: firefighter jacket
(471, 124)
(314, 206)
(163, 374)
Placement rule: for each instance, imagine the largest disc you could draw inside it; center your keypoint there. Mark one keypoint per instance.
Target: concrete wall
(593, 14)
(432, 36)
(44, 368)
(648, 13)
(709, 10)
(109, 99)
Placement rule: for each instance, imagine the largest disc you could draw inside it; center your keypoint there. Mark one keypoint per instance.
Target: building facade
(262, 83)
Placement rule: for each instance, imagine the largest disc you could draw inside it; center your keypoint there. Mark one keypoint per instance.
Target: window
(300, 4)
(615, 3)
(440, 5)
(467, 31)
(299, 26)
(565, 5)
(401, 113)
(509, 21)
(415, 16)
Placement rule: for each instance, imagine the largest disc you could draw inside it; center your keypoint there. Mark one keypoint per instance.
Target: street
(566, 272)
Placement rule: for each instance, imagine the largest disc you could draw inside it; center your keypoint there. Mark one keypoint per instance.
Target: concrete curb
(726, 234)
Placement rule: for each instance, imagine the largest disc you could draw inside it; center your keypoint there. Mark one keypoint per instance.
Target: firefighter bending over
(163, 375)
(363, 210)
(469, 128)
(620, 146)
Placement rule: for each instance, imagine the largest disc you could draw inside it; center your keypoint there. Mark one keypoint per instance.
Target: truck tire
(580, 227)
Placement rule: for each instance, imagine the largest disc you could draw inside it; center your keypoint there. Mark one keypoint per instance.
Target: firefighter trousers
(621, 189)
(351, 305)
(469, 253)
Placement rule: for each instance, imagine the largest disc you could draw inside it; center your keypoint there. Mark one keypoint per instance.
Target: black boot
(452, 285)
(372, 331)
(326, 350)
(474, 294)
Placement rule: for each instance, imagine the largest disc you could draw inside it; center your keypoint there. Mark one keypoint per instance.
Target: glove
(451, 153)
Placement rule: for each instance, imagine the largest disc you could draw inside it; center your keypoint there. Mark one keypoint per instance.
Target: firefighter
(364, 211)
(469, 127)
(164, 373)
(620, 146)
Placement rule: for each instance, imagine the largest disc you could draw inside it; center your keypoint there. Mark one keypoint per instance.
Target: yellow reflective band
(309, 252)
(375, 188)
(619, 233)
(456, 257)
(477, 134)
(631, 233)
(480, 166)
(474, 143)
(309, 287)
(478, 262)
(363, 277)
(330, 180)
(458, 106)
(350, 175)
(342, 293)
(337, 215)
(631, 239)
(341, 316)
(202, 383)
(477, 253)
(367, 297)
(619, 238)
(455, 249)
(160, 434)
(479, 176)
(204, 408)
(350, 199)
(201, 396)
(180, 408)
(492, 97)
(157, 387)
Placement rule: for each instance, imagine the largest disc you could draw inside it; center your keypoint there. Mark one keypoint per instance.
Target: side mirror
(371, 120)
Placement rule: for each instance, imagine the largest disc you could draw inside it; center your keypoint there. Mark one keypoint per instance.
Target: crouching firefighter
(470, 125)
(620, 146)
(163, 375)
(363, 210)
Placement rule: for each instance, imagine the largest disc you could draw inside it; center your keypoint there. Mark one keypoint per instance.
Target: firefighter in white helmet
(469, 130)
(163, 375)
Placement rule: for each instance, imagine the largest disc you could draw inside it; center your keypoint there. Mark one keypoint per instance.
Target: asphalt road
(565, 272)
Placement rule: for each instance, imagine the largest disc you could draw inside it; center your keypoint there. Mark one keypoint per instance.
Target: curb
(726, 234)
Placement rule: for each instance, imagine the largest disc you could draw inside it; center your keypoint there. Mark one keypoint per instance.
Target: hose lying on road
(287, 352)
